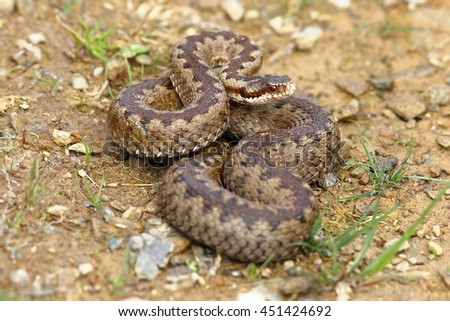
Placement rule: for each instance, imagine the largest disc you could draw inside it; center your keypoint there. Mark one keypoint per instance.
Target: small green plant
(34, 188)
(192, 265)
(382, 178)
(96, 198)
(368, 223)
(119, 281)
(95, 41)
(254, 271)
(87, 153)
(390, 26)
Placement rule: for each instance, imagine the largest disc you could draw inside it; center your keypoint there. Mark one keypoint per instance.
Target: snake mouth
(266, 89)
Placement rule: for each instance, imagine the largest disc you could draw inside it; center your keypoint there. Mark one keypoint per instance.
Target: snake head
(263, 89)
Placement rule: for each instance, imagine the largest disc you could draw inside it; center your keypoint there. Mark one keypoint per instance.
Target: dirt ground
(67, 221)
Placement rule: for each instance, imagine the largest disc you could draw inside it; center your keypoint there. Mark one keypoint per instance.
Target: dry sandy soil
(70, 224)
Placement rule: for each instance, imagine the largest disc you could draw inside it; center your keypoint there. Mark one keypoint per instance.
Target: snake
(248, 197)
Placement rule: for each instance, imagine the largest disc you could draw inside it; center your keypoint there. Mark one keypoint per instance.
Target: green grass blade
(384, 258)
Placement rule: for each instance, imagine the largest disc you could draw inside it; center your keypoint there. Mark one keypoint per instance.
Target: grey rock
(355, 86)
(136, 243)
(406, 106)
(386, 163)
(329, 180)
(438, 95)
(383, 83)
(153, 256)
(114, 243)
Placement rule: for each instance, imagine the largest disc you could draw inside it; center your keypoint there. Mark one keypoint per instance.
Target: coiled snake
(285, 143)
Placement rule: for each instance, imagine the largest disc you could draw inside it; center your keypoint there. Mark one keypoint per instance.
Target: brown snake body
(286, 143)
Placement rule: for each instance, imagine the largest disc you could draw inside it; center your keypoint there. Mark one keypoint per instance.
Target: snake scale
(249, 200)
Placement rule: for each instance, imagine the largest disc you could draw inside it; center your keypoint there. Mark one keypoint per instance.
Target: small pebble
(318, 261)
(144, 59)
(266, 273)
(347, 112)
(435, 170)
(260, 293)
(136, 242)
(62, 138)
(85, 268)
(436, 230)
(383, 83)
(288, 265)
(133, 213)
(115, 69)
(355, 86)
(410, 124)
(114, 243)
(295, 285)
(98, 71)
(57, 210)
(252, 14)
(343, 4)
(406, 106)
(343, 291)
(444, 141)
(36, 38)
(437, 95)
(282, 26)
(435, 248)
(389, 114)
(413, 260)
(421, 233)
(403, 247)
(307, 38)
(7, 6)
(79, 83)
(80, 148)
(20, 277)
(402, 266)
(233, 9)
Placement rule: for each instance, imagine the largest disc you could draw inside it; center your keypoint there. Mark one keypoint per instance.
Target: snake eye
(272, 87)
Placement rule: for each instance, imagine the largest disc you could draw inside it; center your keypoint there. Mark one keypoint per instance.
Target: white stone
(98, 71)
(33, 49)
(78, 82)
(343, 4)
(61, 137)
(402, 266)
(20, 277)
(282, 26)
(435, 248)
(252, 14)
(403, 247)
(57, 210)
(233, 9)
(79, 148)
(85, 268)
(36, 38)
(436, 230)
(307, 38)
